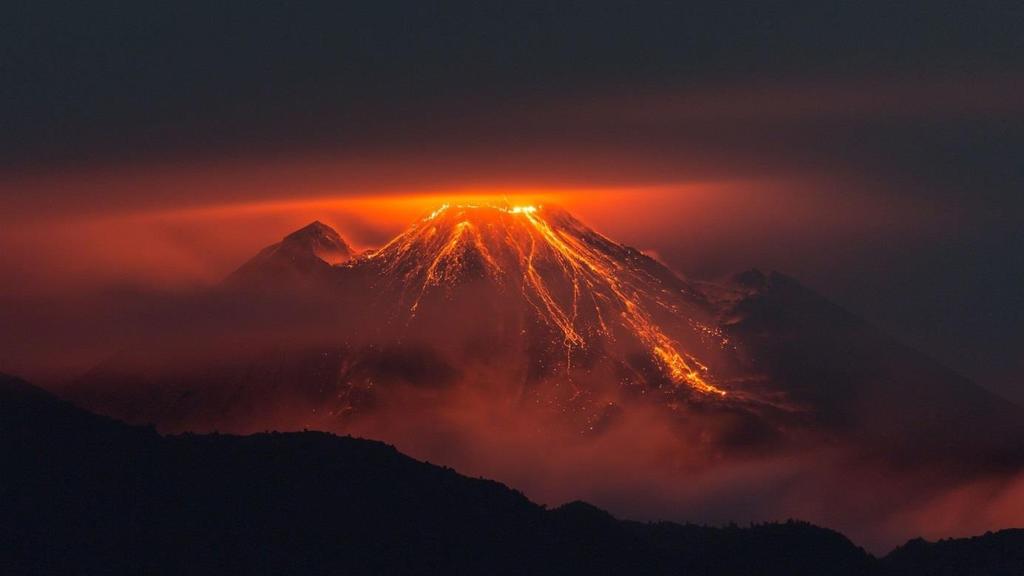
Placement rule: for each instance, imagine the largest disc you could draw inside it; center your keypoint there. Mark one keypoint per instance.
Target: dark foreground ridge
(84, 494)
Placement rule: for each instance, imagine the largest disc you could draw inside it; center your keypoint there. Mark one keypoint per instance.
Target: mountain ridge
(442, 342)
(580, 322)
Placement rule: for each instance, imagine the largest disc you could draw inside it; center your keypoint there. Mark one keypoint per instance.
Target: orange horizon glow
(203, 221)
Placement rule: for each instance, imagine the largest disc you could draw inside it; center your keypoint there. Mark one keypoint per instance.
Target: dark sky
(899, 124)
(109, 78)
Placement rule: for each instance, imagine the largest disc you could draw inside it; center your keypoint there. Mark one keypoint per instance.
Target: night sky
(873, 151)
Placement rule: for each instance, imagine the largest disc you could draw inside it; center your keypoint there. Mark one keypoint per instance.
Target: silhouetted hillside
(993, 554)
(84, 494)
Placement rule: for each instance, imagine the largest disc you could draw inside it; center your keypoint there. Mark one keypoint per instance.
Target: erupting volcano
(526, 309)
(581, 290)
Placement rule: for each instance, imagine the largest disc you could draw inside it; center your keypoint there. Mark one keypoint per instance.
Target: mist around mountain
(307, 252)
(517, 343)
(87, 494)
(862, 382)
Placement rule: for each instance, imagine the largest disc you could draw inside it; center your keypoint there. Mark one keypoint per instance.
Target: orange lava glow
(534, 236)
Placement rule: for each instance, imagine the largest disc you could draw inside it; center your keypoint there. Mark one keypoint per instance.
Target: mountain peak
(592, 294)
(542, 281)
(314, 228)
(321, 240)
(310, 249)
(484, 211)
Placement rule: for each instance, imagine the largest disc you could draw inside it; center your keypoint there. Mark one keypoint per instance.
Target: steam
(643, 466)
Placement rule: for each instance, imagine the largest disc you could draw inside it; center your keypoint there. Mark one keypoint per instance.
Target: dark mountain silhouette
(84, 494)
(995, 553)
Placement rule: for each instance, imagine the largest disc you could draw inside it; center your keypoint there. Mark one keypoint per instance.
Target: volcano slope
(526, 302)
(506, 340)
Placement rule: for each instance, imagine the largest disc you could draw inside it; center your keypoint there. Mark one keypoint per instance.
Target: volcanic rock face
(578, 297)
(525, 302)
(527, 306)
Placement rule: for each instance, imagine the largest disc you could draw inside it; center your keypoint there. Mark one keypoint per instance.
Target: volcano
(578, 297)
(530, 309)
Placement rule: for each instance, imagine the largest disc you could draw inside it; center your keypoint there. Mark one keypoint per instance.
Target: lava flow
(583, 285)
